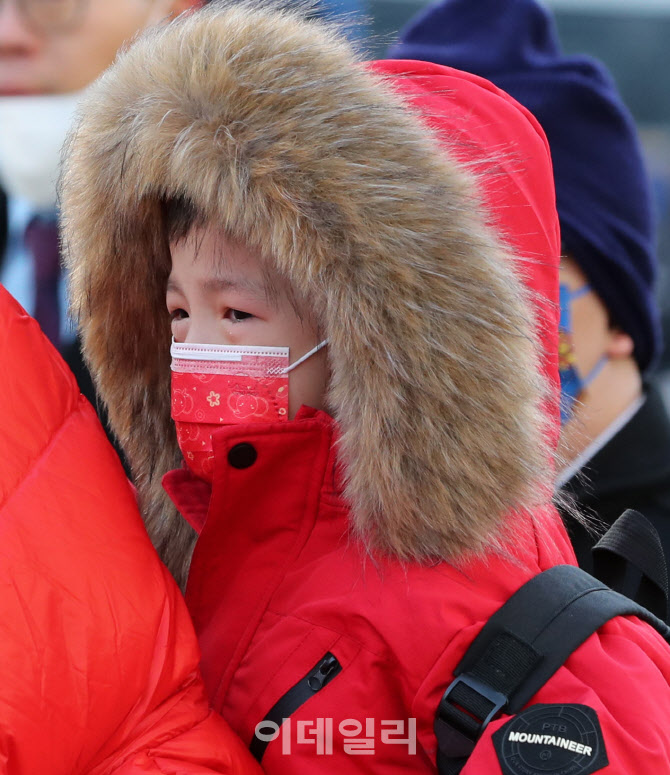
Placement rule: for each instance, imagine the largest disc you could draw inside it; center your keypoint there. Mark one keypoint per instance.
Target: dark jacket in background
(632, 471)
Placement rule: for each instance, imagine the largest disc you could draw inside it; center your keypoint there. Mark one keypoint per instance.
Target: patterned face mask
(214, 385)
(572, 382)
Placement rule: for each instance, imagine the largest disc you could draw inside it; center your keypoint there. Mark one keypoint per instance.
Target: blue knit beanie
(602, 187)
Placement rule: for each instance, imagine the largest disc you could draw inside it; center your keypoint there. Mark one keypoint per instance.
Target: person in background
(49, 53)
(615, 440)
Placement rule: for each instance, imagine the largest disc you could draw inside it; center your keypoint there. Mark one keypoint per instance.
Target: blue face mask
(572, 382)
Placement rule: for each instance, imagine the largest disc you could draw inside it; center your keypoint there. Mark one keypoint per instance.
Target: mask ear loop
(572, 295)
(316, 349)
(588, 379)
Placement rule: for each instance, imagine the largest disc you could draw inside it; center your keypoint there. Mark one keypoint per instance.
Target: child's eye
(178, 314)
(237, 315)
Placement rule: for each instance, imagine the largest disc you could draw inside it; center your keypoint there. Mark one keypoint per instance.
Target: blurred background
(631, 38)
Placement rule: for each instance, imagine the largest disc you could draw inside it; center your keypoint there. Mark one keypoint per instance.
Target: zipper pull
(318, 678)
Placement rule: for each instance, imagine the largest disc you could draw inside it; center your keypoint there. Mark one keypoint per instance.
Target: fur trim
(269, 126)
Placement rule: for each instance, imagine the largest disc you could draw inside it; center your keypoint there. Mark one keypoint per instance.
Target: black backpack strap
(630, 559)
(518, 650)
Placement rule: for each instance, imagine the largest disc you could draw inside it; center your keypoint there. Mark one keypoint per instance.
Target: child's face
(217, 293)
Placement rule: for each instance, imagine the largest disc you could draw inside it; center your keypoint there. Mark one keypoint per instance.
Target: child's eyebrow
(214, 284)
(172, 285)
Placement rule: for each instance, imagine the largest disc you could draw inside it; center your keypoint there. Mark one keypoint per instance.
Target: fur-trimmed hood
(272, 129)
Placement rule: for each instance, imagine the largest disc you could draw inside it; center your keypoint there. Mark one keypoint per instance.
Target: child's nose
(204, 331)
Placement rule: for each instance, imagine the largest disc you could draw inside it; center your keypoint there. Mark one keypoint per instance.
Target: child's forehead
(210, 254)
(213, 259)
(212, 249)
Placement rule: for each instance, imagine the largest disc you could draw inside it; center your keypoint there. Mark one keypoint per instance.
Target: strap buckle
(459, 722)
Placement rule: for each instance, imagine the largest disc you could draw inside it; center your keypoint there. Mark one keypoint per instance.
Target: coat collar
(193, 496)
(637, 456)
(190, 495)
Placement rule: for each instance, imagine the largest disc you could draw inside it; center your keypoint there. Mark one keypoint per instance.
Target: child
(243, 168)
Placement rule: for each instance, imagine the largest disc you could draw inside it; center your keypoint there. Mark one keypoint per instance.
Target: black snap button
(242, 455)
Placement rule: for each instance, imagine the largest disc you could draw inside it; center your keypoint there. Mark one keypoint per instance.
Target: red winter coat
(352, 556)
(99, 660)
(276, 584)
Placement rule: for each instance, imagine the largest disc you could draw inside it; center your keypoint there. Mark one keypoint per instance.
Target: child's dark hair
(180, 215)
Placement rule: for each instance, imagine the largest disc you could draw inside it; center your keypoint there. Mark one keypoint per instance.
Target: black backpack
(526, 641)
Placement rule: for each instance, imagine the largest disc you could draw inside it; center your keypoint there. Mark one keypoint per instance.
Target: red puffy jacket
(344, 563)
(276, 584)
(99, 660)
